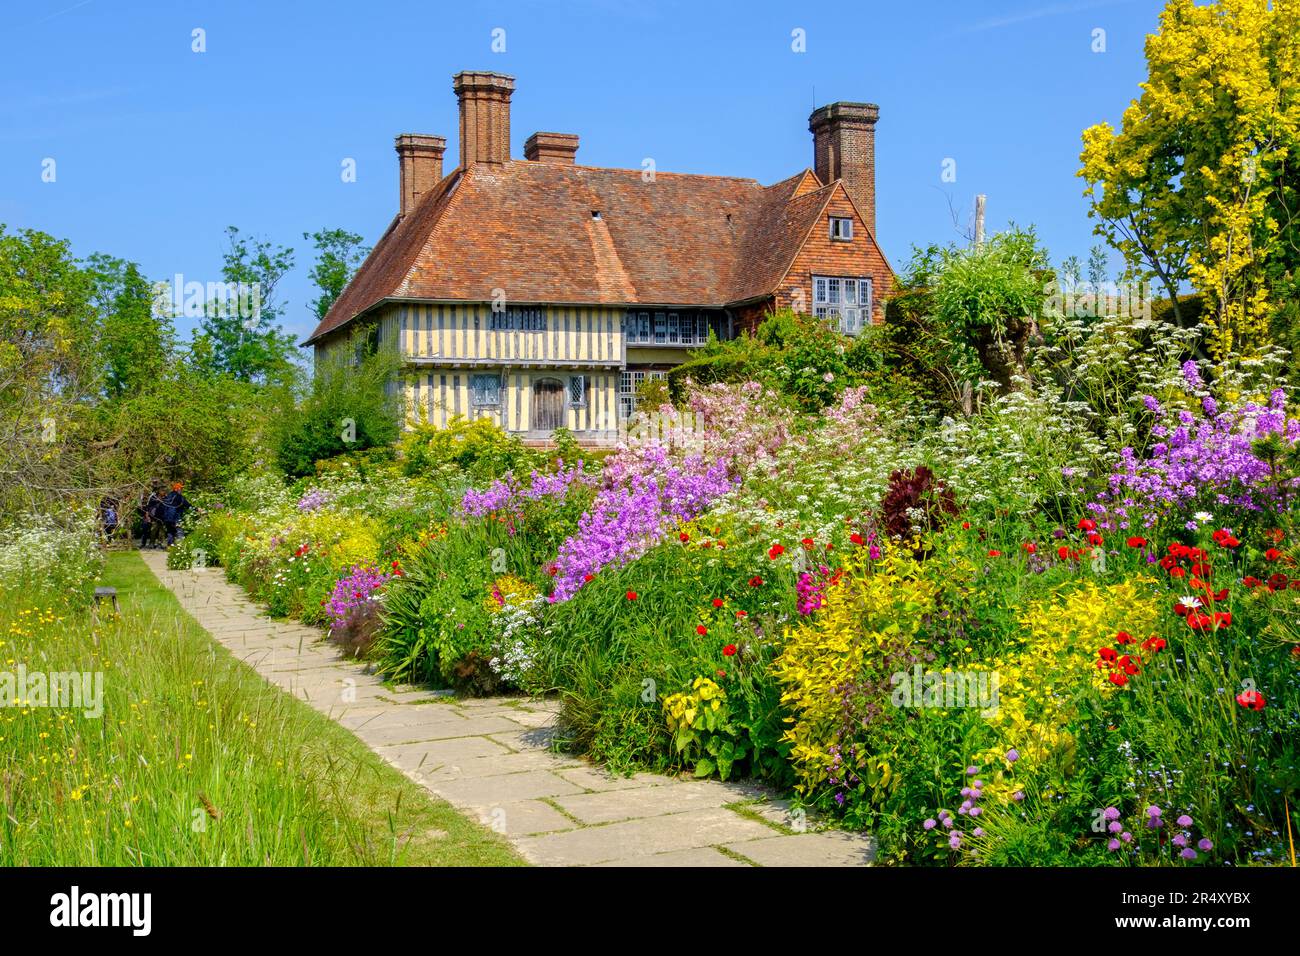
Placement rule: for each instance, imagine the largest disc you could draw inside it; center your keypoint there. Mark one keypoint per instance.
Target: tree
(136, 341)
(1200, 183)
(338, 255)
(241, 328)
(47, 373)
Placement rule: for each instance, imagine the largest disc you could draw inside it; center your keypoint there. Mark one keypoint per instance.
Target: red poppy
(742, 614)
(1107, 654)
(729, 650)
(1251, 700)
(1128, 664)
(683, 537)
(1181, 609)
(1168, 562)
(1087, 524)
(856, 538)
(775, 551)
(1094, 538)
(1177, 572)
(1063, 553)
(717, 602)
(1295, 651)
(1277, 582)
(995, 554)
(1153, 644)
(1136, 542)
(807, 544)
(1123, 637)
(1200, 568)
(1251, 582)
(1030, 547)
(588, 577)
(1272, 554)
(965, 526)
(1222, 619)
(701, 630)
(1199, 622)
(631, 595)
(1118, 679)
(756, 582)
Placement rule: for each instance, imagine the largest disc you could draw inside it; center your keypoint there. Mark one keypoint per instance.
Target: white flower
(1188, 600)
(1203, 516)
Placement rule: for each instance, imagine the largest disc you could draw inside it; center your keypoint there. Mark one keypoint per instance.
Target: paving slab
(828, 848)
(694, 829)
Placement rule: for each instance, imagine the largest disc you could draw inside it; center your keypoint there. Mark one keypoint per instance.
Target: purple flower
(1111, 813)
(1018, 796)
(1153, 811)
(972, 770)
(1013, 755)
(954, 841)
(1113, 845)
(1184, 821)
(929, 824)
(1205, 845)
(1188, 854)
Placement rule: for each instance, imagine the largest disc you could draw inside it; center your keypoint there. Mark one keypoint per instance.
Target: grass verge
(194, 760)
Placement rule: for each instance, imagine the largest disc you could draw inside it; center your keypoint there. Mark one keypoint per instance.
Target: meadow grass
(195, 760)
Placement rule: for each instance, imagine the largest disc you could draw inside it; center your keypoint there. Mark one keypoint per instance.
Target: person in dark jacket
(174, 506)
(150, 517)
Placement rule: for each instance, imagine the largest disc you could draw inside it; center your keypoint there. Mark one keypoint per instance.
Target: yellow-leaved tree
(1200, 185)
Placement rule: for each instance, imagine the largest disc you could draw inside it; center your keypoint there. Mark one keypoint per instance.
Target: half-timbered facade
(540, 293)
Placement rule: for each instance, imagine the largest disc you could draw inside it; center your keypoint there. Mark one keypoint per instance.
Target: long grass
(195, 760)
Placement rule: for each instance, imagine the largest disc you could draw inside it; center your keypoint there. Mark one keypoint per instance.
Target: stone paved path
(492, 758)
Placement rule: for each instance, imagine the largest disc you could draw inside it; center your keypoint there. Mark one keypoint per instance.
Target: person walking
(174, 506)
(107, 518)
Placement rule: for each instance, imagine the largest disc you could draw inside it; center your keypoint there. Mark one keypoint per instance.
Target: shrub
(479, 450)
(348, 407)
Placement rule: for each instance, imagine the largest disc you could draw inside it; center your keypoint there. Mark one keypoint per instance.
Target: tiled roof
(530, 230)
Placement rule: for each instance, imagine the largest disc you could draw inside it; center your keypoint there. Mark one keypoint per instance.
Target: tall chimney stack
(419, 159)
(844, 147)
(484, 116)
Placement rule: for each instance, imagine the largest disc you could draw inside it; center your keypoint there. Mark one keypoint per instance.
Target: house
(541, 292)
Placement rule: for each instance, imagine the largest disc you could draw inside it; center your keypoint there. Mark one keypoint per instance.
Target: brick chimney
(844, 147)
(419, 160)
(484, 116)
(559, 148)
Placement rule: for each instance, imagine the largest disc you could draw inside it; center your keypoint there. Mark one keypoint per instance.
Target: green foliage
(338, 255)
(479, 450)
(249, 348)
(347, 408)
(135, 341)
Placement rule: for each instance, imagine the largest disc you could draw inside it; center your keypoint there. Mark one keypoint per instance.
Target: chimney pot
(484, 116)
(559, 148)
(844, 148)
(419, 160)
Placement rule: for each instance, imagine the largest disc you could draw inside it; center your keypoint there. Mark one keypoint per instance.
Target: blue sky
(158, 148)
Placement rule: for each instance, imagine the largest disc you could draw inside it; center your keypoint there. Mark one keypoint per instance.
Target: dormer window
(841, 228)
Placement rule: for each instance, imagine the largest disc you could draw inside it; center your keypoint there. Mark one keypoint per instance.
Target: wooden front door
(548, 404)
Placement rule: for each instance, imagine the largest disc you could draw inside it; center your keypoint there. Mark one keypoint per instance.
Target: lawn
(195, 760)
